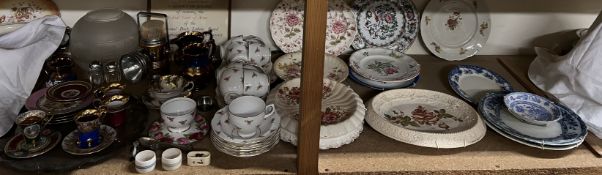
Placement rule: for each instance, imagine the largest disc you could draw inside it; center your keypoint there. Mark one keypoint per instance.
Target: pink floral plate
(385, 23)
(286, 26)
(384, 65)
(455, 29)
(288, 67)
(196, 132)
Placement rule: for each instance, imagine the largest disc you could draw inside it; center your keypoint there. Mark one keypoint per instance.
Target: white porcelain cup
(145, 161)
(171, 159)
(246, 114)
(178, 113)
(238, 79)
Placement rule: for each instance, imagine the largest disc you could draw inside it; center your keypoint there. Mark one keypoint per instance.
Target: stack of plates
(566, 133)
(383, 69)
(61, 100)
(225, 141)
(342, 113)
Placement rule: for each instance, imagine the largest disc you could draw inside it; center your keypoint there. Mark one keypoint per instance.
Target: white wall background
(516, 23)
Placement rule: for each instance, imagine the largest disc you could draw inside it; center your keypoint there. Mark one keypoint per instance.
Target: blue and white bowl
(532, 108)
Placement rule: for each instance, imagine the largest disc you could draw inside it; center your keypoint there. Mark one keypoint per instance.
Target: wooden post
(314, 34)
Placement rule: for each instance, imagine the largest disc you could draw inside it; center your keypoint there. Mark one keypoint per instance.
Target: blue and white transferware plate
(385, 23)
(472, 82)
(568, 131)
(543, 147)
(532, 108)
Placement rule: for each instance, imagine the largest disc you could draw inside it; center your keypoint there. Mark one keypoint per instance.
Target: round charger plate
(224, 129)
(288, 66)
(384, 65)
(384, 23)
(331, 135)
(286, 26)
(69, 91)
(197, 131)
(107, 134)
(472, 82)
(455, 29)
(425, 118)
(566, 132)
(12, 148)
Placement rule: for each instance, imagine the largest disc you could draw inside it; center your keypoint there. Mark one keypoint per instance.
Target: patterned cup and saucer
(17, 147)
(179, 122)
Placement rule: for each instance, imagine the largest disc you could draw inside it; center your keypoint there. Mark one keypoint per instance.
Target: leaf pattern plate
(288, 67)
(455, 29)
(384, 23)
(425, 118)
(286, 26)
(565, 133)
(384, 65)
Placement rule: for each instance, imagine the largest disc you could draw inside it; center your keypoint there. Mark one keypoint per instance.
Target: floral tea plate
(532, 108)
(384, 65)
(334, 131)
(425, 118)
(288, 67)
(384, 23)
(379, 85)
(107, 134)
(455, 29)
(196, 132)
(472, 82)
(567, 131)
(286, 26)
(16, 146)
(222, 128)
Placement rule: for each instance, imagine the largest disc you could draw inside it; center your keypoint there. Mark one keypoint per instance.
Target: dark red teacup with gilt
(88, 124)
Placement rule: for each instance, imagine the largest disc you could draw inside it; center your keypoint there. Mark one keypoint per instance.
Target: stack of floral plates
(286, 26)
(342, 112)
(383, 69)
(566, 133)
(227, 142)
(425, 118)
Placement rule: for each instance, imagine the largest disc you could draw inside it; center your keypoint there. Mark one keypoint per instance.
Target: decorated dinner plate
(69, 91)
(425, 118)
(288, 66)
(384, 65)
(455, 29)
(472, 82)
(568, 131)
(286, 26)
(386, 23)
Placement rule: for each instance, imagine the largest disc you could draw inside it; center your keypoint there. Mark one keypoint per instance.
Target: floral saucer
(224, 130)
(196, 132)
(286, 26)
(16, 146)
(288, 67)
(107, 136)
(384, 65)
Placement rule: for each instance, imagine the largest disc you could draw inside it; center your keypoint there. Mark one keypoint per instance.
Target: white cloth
(575, 79)
(22, 56)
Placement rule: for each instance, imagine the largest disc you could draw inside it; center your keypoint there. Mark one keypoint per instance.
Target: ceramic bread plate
(566, 132)
(339, 127)
(384, 65)
(473, 82)
(384, 23)
(455, 29)
(425, 118)
(288, 67)
(286, 26)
